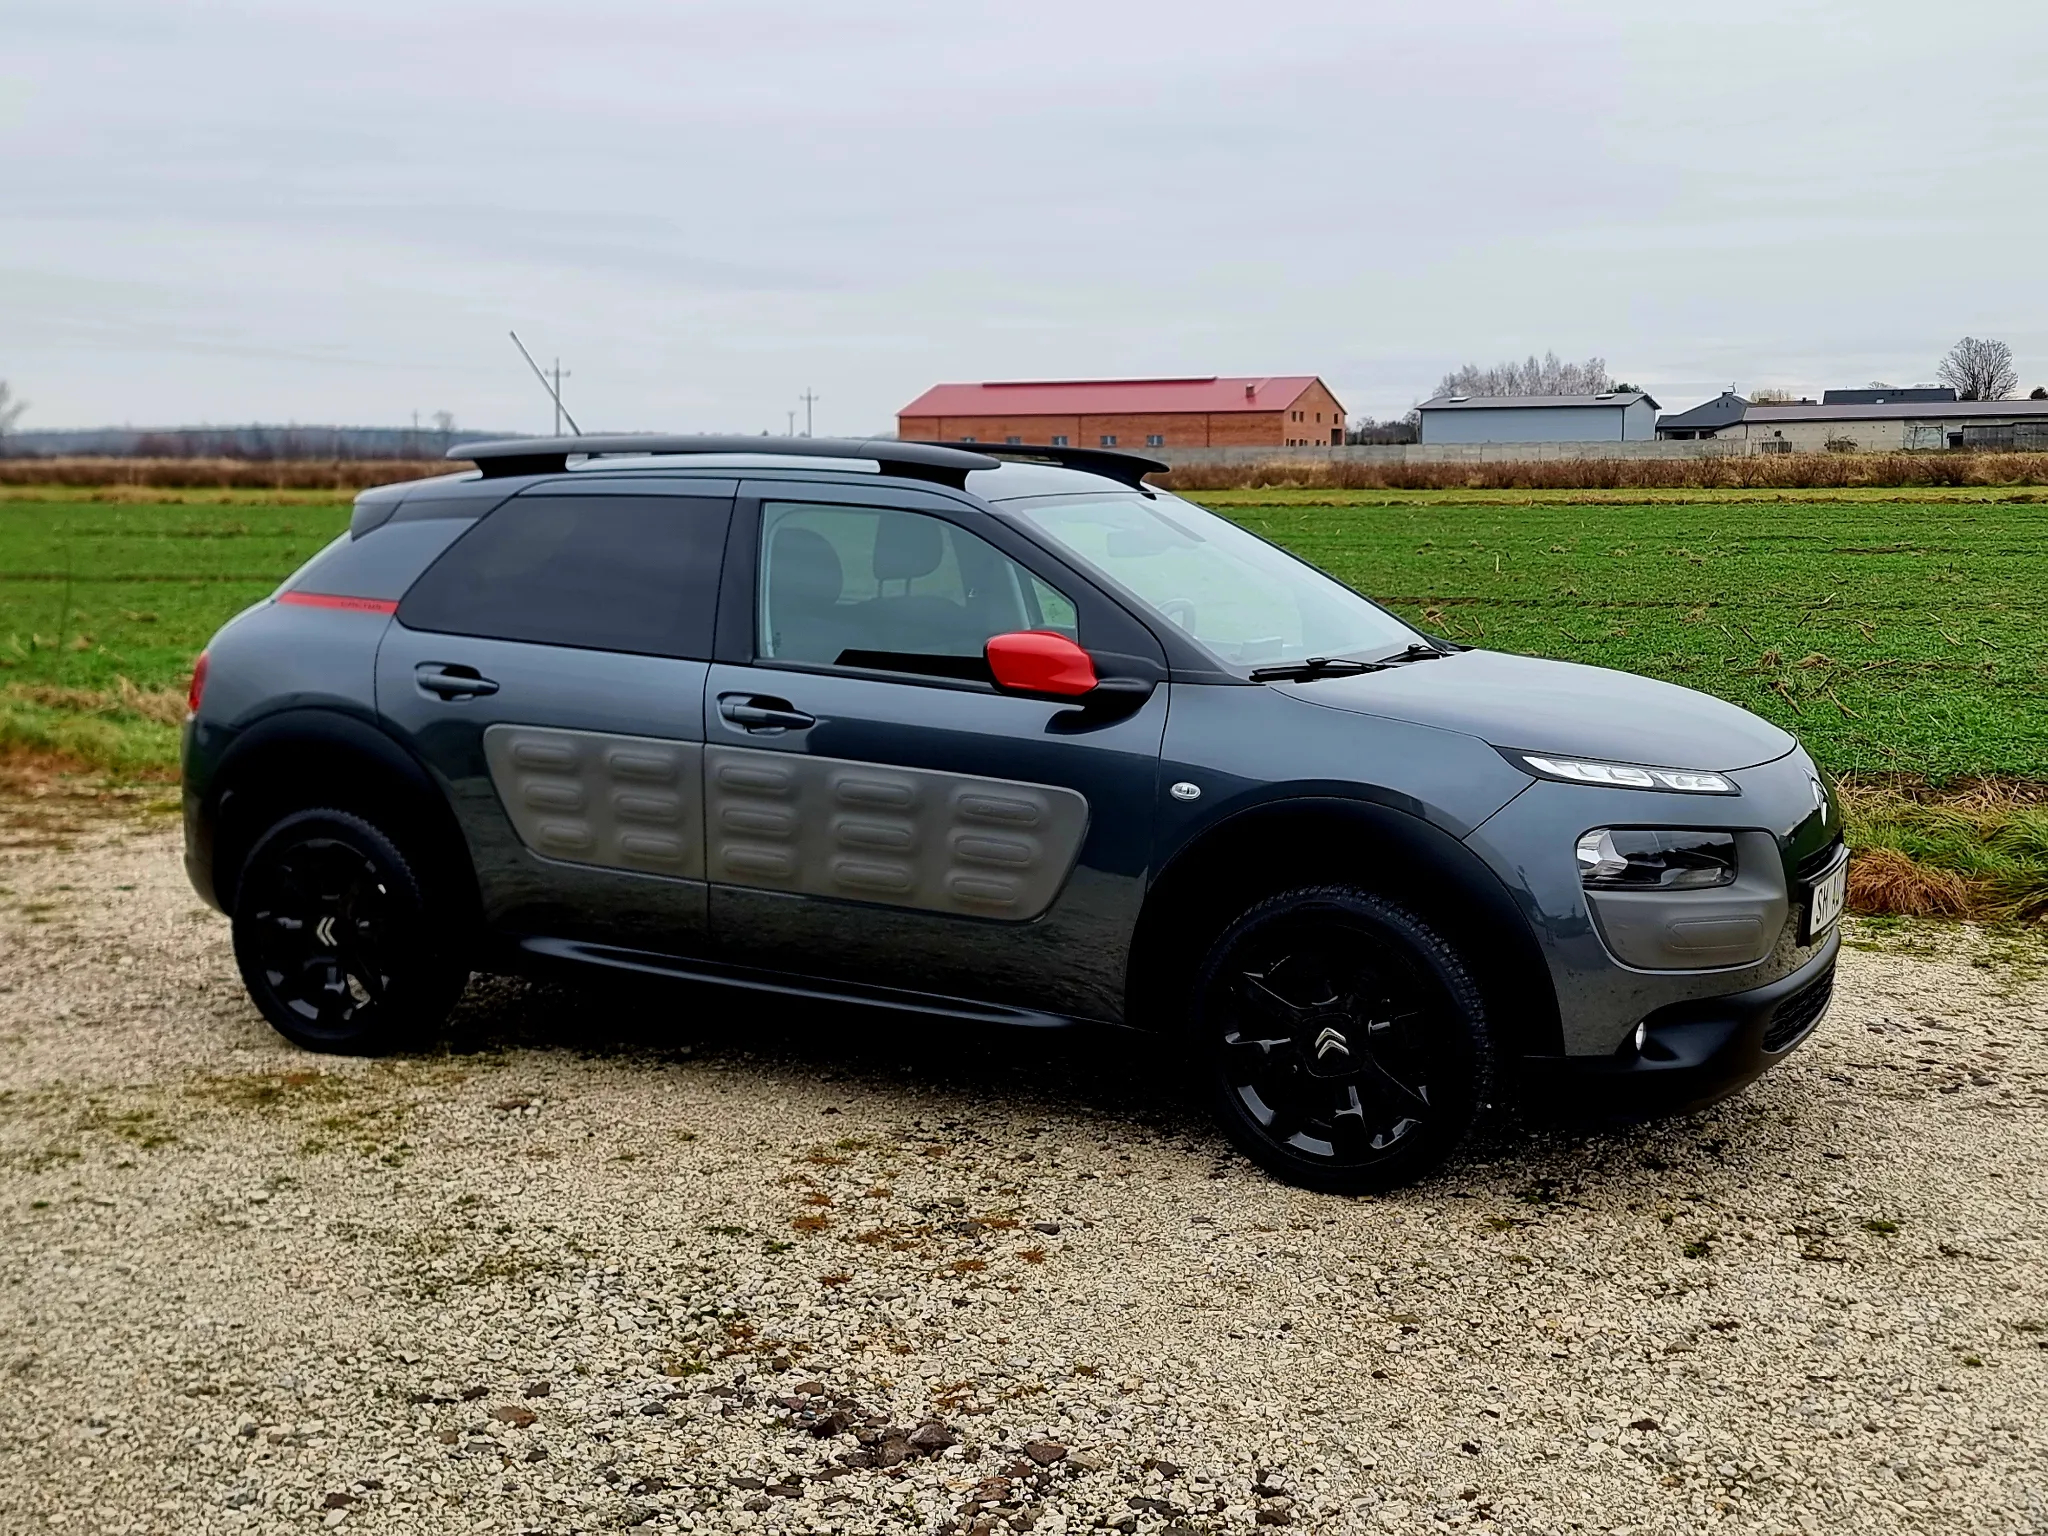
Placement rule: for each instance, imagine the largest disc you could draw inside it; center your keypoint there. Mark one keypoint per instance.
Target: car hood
(1559, 707)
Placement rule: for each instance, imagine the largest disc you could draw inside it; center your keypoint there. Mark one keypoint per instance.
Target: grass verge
(1903, 634)
(1977, 850)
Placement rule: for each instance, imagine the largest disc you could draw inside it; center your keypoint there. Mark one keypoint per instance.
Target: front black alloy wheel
(334, 938)
(1343, 1041)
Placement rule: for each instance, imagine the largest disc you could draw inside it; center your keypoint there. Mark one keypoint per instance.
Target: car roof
(990, 467)
(1006, 482)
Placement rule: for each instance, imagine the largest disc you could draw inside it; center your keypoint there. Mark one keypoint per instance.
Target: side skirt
(676, 968)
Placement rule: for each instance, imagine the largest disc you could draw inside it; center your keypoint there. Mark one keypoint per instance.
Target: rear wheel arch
(300, 759)
(1322, 839)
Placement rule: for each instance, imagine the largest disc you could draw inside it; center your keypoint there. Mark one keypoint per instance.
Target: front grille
(1795, 1017)
(1815, 863)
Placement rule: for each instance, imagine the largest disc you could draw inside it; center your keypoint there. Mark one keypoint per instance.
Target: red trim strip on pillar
(335, 600)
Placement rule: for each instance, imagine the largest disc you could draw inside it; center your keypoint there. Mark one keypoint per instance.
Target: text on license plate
(1824, 906)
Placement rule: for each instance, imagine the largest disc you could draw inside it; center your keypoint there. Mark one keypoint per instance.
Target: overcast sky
(332, 212)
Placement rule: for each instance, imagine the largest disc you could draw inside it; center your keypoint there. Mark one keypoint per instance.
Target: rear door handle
(452, 682)
(754, 713)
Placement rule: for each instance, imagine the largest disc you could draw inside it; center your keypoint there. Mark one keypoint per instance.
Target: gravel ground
(665, 1259)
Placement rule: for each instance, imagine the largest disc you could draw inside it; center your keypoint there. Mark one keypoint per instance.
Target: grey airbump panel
(905, 837)
(618, 802)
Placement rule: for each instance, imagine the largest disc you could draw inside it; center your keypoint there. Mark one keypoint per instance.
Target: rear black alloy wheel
(1343, 1040)
(332, 935)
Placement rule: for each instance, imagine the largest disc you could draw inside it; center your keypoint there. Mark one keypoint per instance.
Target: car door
(549, 669)
(876, 811)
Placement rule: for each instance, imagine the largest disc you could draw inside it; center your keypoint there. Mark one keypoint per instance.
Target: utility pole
(554, 387)
(792, 423)
(557, 392)
(809, 400)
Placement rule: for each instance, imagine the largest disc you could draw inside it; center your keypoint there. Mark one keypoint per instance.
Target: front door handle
(452, 682)
(752, 712)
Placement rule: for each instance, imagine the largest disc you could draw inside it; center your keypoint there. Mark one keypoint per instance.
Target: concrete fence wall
(1452, 453)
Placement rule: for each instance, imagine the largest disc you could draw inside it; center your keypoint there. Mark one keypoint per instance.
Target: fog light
(1613, 859)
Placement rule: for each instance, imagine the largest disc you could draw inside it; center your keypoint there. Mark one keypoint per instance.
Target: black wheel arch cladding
(312, 758)
(1329, 840)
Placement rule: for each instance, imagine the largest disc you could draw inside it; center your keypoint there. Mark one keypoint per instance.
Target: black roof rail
(943, 463)
(1111, 463)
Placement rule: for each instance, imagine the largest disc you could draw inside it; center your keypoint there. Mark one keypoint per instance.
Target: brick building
(1297, 410)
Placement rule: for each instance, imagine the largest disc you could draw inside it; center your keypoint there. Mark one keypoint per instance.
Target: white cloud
(324, 212)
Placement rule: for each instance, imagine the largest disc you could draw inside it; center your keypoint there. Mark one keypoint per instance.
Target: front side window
(1245, 601)
(607, 573)
(884, 590)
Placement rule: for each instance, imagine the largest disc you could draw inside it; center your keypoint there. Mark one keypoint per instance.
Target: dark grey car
(1004, 735)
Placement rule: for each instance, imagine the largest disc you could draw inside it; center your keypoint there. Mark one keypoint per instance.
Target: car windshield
(1245, 601)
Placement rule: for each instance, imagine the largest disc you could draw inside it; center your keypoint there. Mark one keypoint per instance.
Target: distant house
(1709, 420)
(1284, 411)
(1932, 419)
(1610, 418)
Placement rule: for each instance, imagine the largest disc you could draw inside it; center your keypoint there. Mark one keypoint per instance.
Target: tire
(334, 937)
(1341, 1042)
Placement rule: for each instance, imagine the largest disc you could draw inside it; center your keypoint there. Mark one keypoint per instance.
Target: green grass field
(1896, 636)
(104, 603)
(1903, 635)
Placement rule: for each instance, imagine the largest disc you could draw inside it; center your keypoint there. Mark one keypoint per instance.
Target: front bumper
(1694, 1053)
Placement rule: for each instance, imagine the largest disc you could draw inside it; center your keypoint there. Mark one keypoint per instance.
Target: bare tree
(1979, 370)
(1546, 376)
(1772, 396)
(10, 408)
(444, 422)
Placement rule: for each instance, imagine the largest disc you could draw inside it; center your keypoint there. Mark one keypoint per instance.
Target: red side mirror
(1040, 661)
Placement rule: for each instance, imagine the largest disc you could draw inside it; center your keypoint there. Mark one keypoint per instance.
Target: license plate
(1824, 899)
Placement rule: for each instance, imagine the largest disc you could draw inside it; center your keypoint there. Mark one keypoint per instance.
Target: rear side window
(606, 573)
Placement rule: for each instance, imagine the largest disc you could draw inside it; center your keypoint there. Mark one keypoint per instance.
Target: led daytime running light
(1684, 781)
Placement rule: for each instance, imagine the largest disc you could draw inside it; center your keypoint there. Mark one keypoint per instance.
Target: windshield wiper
(1421, 651)
(1315, 667)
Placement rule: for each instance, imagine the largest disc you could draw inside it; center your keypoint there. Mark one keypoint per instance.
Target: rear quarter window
(608, 573)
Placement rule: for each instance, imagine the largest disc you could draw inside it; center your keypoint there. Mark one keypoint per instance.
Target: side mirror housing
(1041, 663)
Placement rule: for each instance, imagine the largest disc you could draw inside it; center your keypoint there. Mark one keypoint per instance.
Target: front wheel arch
(1329, 840)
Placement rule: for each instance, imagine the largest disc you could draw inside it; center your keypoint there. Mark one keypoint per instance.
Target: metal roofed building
(1610, 418)
(1282, 411)
(1916, 393)
(1985, 424)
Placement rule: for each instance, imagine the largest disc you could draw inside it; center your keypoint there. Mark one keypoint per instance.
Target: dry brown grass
(223, 474)
(1975, 848)
(1884, 882)
(1787, 471)
(1793, 471)
(165, 706)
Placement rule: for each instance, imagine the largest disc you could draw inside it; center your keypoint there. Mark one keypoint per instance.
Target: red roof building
(1295, 410)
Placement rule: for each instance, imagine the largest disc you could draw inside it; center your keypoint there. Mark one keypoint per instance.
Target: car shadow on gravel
(1121, 1074)
(1129, 1080)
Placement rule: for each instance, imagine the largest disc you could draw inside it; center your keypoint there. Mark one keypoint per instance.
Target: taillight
(198, 688)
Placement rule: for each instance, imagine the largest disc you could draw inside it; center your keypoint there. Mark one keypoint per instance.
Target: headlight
(1686, 781)
(1611, 860)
